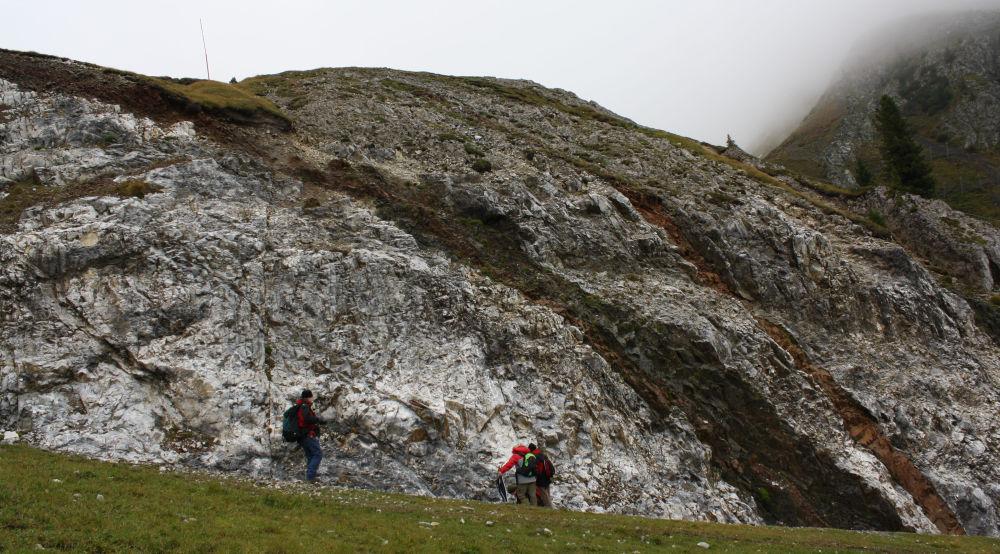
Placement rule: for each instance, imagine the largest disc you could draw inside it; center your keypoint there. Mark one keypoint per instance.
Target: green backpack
(290, 430)
(526, 466)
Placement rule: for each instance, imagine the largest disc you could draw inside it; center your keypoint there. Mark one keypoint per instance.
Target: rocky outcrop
(686, 340)
(734, 151)
(965, 249)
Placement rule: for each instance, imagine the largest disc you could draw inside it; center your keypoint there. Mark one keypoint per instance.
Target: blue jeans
(310, 446)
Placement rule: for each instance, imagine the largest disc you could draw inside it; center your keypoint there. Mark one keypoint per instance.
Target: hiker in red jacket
(523, 458)
(544, 471)
(309, 422)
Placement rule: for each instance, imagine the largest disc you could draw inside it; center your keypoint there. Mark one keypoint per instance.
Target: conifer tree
(862, 174)
(904, 160)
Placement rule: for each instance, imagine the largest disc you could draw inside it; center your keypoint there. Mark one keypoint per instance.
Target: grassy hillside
(802, 151)
(70, 503)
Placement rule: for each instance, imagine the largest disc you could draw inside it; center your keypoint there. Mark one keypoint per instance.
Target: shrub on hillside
(473, 150)
(482, 166)
(876, 217)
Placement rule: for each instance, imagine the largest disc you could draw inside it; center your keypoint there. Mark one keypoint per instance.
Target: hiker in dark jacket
(309, 422)
(523, 459)
(543, 478)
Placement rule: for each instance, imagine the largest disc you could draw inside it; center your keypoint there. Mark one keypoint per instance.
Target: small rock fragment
(703, 544)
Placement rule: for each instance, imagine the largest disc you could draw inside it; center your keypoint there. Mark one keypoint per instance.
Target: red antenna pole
(205, 48)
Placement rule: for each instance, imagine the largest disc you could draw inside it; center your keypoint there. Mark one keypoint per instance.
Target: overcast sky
(701, 68)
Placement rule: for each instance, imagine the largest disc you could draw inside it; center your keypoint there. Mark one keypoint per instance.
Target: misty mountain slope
(457, 264)
(944, 71)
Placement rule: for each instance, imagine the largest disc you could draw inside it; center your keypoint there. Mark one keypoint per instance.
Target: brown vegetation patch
(187, 440)
(29, 192)
(135, 93)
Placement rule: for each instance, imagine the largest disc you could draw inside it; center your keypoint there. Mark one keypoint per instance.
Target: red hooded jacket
(517, 453)
(308, 419)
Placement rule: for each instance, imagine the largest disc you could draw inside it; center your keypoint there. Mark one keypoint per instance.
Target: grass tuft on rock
(19, 196)
(216, 96)
(876, 217)
(136, 188)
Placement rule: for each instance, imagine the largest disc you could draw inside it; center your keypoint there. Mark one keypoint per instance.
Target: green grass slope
(62, 502)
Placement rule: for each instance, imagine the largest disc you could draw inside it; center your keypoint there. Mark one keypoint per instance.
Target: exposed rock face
(685, 340)
(734, 151)
(943, 72)
(962, 247)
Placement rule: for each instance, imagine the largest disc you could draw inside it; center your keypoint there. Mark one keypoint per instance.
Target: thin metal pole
(205, 48)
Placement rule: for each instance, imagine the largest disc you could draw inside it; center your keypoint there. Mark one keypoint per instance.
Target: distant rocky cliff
(944, 71)
(454, 265)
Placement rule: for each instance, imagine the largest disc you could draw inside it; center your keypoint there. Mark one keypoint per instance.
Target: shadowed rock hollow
(454, 265)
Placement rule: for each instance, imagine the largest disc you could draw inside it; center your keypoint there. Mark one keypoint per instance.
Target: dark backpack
(545, 468)
(290, 430)
(527, 465)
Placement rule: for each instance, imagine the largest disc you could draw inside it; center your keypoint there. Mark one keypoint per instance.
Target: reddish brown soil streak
(866, 432)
